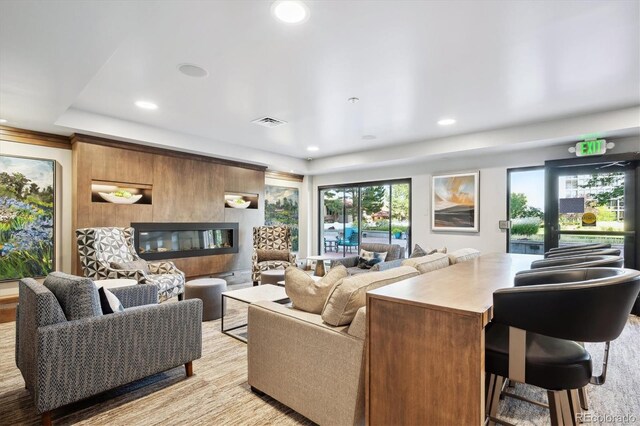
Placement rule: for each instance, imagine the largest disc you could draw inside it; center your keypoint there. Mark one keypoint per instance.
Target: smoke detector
(269, 122)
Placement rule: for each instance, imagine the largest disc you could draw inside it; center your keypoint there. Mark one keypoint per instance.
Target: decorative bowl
(112, 198)
(238, 204)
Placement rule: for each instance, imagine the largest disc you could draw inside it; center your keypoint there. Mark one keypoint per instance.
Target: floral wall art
(26, 217)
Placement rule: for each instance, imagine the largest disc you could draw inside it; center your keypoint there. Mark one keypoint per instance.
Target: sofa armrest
(348, 262)
(358, 326)
(137, 295)
(112, 350)
(328, 363)
(383, 266)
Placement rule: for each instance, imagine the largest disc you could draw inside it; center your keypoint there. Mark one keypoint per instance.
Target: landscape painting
(26, 217)
(281, 208)
(454, 202)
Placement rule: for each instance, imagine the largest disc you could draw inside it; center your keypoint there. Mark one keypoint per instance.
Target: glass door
(525, 210)
(339, 231)
(593, 203)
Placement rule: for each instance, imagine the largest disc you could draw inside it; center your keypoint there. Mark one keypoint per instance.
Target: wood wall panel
(187, 191)
(120, 165)
(183, 190)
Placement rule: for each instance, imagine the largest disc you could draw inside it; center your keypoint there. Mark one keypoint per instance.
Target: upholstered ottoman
(272, 276)
(209, 290)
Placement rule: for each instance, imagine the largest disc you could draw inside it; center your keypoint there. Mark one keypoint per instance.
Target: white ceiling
(70, 66)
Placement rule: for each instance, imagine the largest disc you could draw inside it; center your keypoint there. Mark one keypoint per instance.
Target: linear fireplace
(156, 241)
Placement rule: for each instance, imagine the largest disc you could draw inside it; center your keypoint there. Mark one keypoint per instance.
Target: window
(373, 212)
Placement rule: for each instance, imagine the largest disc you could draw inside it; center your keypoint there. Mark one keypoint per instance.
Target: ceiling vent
(269, 122)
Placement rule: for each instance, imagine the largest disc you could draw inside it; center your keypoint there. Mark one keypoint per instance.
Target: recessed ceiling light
(291, 171)
(369, 137)
(146, 105)
(312, 148)
(289, 11)
(192, 70)
(353, 100)
(2, 121)
(446, 122)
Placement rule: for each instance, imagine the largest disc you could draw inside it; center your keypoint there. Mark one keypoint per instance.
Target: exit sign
(593, 147)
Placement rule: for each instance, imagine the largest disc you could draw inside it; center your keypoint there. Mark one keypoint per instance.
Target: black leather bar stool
(588, 246)
(533, 336)
(593, 252)
(579, 261)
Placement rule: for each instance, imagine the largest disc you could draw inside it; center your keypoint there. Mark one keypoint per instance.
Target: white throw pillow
(109, 302)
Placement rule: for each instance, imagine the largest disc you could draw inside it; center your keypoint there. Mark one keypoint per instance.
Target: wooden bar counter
(425, 352)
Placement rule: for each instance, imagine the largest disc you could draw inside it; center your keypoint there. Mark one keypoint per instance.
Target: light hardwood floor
(217, 393)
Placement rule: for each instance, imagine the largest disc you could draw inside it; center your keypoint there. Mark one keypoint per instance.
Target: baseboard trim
(8, 305)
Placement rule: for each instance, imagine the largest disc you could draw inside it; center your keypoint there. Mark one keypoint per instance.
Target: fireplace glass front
(172, 240)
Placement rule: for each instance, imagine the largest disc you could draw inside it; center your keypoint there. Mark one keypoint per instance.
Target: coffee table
(269, 292)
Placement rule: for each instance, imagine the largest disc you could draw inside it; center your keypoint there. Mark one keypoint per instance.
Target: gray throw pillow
(417, 252)
(132, 266)
(308, 294)
(78, 296)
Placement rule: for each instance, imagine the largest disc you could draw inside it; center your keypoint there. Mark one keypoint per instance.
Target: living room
(377, 149)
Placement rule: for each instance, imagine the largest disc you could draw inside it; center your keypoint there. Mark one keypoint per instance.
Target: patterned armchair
(271, 250)
(67, 350)
(99, 248)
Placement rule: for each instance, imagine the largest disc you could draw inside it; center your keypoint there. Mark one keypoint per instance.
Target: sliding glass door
(377, 212)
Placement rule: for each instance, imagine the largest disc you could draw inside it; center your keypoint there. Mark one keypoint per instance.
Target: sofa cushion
(78, 297)
(463, 255)
(309, 295)
(394, 251)
(354, 270)
(349, 294)
(265, 255)
(428, 263)
(133, 265)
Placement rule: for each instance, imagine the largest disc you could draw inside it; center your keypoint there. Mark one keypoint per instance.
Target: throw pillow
(364, 261)
(417, 252)
(266, 255)
(78, 297)
(109, 302)
(442, 250)
(307, 294)
(368, 263)
(140, 264)
(349, 294)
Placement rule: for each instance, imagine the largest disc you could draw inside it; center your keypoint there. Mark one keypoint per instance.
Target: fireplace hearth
(155, 241)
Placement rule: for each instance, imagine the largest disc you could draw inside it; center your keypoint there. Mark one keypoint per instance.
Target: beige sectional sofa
(314, 363)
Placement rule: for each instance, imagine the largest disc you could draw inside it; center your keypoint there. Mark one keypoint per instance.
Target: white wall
(63, 201)
(493, 191)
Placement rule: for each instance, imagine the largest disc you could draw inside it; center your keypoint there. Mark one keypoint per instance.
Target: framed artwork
(27, 217)
(455, 203)
(281, 208)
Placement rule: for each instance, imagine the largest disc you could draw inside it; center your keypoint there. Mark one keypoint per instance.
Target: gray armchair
(99, 248)
(67, 350)
(395, 254)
